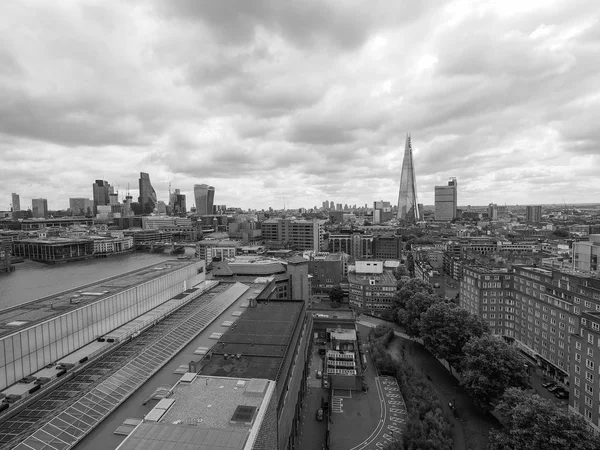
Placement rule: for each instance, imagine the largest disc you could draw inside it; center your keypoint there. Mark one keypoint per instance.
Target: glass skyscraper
(204, 195)
(408, 208)
(147, 197)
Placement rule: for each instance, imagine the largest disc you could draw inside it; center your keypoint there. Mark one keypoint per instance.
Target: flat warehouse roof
(25, 315)
(261, 337)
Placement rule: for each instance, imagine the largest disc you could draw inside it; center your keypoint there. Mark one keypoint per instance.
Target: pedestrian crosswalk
(337, 404)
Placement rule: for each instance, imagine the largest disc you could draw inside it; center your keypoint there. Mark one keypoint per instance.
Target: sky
(272, 101)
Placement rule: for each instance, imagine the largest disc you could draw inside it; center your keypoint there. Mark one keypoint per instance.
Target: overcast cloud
(305, 100)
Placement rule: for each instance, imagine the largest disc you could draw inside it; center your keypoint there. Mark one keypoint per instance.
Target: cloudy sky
(306, 100)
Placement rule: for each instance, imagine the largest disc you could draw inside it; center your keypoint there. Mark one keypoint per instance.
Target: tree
(446, 328)
(336, 295)
(536, 424)
(400, 272)
(410, 264)
(410, 288)
(415, 306)
(489, 367)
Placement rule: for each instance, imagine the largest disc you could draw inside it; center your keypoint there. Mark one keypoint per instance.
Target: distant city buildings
(446, 201)
(81, 206)
(16, 202)
(39, 207)
(205, 197)
(101, 190)
(408, 208)
(533, 214)
(382, 212)
(295, 234)
(147, 198)
(177, 202)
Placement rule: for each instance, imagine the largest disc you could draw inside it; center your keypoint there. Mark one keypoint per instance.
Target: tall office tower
(210, 200)
(147, 196)
(102, 191)
(326, 204)
(382, 212)
(16, 202)
(445, 201)
(127, 206)
(39, 207)
(534, 213)
(205, 197)
(493, 211)
(407, 197)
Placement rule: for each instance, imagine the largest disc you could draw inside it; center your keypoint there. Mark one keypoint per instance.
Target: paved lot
(312, 431)
(367, 420)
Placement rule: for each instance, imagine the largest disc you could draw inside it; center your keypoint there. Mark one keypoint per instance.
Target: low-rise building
(371, 287)
(220, 249)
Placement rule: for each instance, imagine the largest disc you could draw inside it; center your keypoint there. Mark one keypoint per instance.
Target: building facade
(81, 206)
(371, 287)
(205, 197)
(357, 245)
(39, 207)
(408, 205)
(552, 316)
(101, 194)
(533, 213)
(147, 198)
(296, 234)
(16, 202)
(587, 254)
(446, 201)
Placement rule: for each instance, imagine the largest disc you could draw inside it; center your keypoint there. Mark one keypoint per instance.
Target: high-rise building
(81, 206)
(445, 201)
(550, 315)
(39, 207)
(382, 212)
(16, 202)
(407, 197)
(147, 196)
(586, 255)
(101, 190)
(493, 211)
(205, 197)
(297, 234)
(534, 213)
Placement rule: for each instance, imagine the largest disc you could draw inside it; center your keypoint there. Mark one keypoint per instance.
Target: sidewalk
(471, 429)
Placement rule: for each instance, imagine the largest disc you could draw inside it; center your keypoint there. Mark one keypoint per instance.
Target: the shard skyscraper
(408, 207)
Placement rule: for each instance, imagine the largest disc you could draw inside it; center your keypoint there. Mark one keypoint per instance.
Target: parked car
(547, 384)
(319, 374)
(551, 385)
(554, 388)
(561, 394)
(325, 383)
(319, 414)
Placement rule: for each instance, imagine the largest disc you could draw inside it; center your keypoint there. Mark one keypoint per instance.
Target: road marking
(337, 404)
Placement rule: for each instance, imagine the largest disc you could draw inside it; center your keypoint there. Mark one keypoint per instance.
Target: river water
(32, 280)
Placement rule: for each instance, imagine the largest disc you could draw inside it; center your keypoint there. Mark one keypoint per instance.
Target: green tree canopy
(446, 328)
(400, 272)
(489, 367)
(408, 289)
(415, 306)
(336, 294)
(533, 423)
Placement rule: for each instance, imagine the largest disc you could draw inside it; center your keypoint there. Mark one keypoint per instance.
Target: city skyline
(303, 103)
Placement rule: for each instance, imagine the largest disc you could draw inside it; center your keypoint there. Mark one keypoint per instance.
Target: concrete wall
(29, 350)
